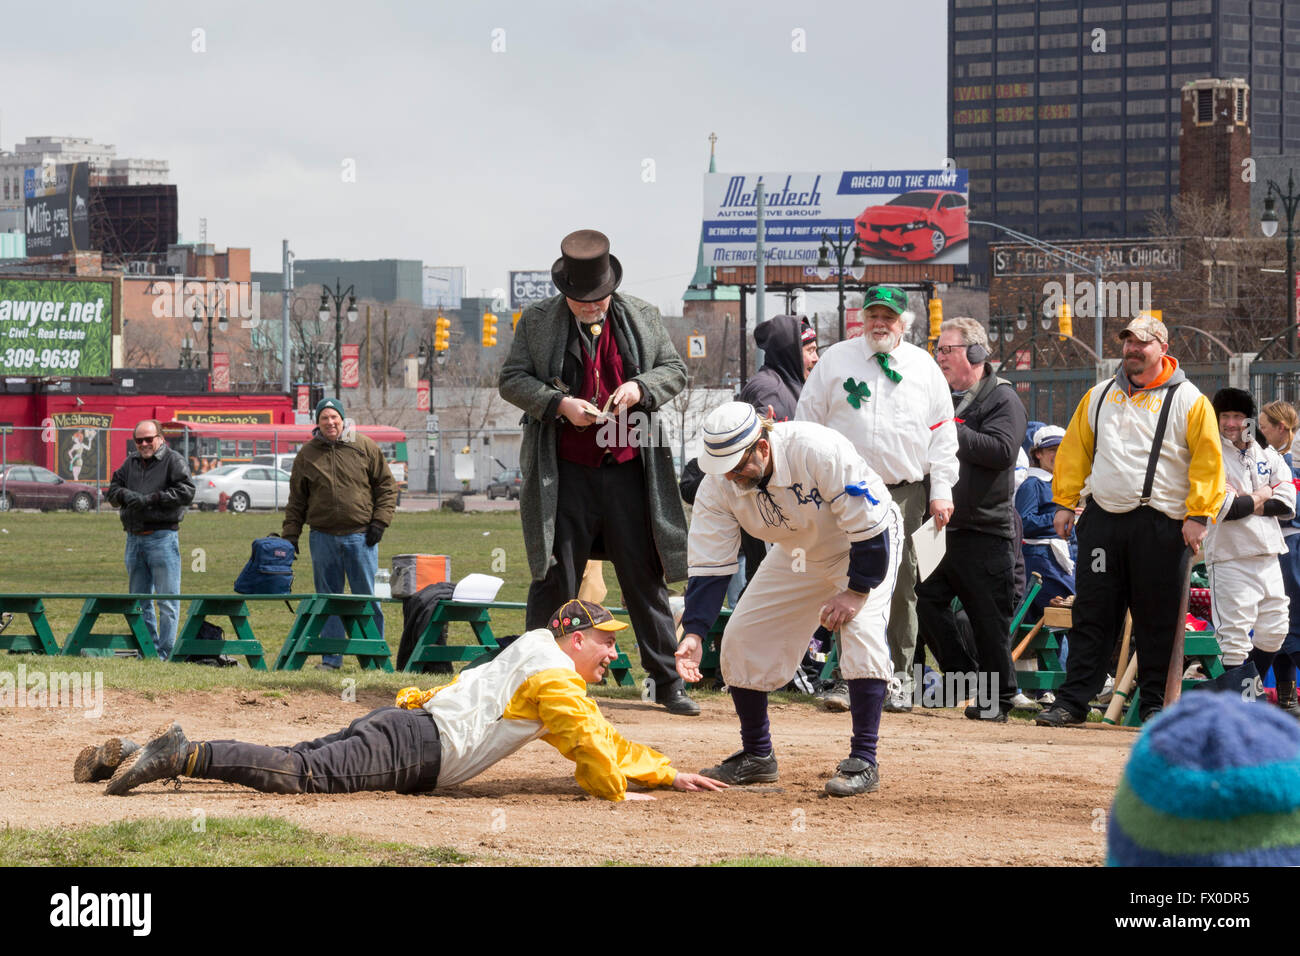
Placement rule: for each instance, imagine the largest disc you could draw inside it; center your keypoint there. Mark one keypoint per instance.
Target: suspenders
(1161, 424)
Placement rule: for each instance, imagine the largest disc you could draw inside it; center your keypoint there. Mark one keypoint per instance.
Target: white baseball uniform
(804, 511)
(1246, 589)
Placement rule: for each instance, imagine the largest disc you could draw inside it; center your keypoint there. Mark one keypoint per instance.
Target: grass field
(66, 552)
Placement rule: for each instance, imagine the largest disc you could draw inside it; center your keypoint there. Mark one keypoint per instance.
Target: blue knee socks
(751, 708)
(866, 700)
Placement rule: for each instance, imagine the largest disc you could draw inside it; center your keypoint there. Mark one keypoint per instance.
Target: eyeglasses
(146, 440)
(949, 349)
(744, 459)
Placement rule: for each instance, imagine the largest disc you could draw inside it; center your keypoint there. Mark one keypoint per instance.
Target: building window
(1007, 21)
(1101, 204)
(1239, 105)
(962, 24)
(1015, 137)
(1015, 161)
(1015, 206)
(976, 162)
(1204, 107)
(1146, 154)
(1105, 84)
(967, 140)
(973, 46)
(1192, 55)
(1183, 8)
(1268, 58)
(1101, 108)
(1058, 64)
(1058, 41)
(1101, 61)
(1058, 134)
(1048, 18)
(1222, 283)
(1144, 203)
(1145, 35)
(1146, 177)
(1109, 131)
(1058, 88)
(1139, 107)
(1059, 205)
(1146, 130)
(1100, 157)
(1093, 14)
(1057, 159)
(1101, 180)
(1190, 31)
(1009, 44)
(1015, 184)
(1062, 181)
(966, 4)
(1141, 58)
(1013, 67)
(1143, 11)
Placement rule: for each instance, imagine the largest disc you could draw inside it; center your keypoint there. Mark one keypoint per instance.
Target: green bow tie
(891, 374)
(857, 392)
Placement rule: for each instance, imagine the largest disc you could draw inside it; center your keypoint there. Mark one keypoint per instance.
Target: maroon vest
(601, 377)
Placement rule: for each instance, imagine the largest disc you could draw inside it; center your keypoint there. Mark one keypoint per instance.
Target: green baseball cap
(887, 295)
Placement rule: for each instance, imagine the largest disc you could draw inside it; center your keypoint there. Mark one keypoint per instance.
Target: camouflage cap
(888, 296)
(1147, 328)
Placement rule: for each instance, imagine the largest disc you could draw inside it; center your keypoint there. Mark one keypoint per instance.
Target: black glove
(374, 533)
(293, 542)
(131, 499)
(154, 499)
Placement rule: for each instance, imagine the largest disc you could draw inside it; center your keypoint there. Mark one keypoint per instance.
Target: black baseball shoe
(1057, 716)
(162, 758)
(676, 702)
(98, 763)
(742, 769)
(853, 776)
(976, 712)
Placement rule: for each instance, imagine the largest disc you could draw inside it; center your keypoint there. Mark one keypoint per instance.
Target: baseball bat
(1121, 693)
(1174, 677)
(1122, 663)
(1020, 648)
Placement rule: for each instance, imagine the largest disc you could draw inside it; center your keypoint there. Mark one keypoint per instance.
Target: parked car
(30, 486)
(915, 226)
(249, 486)
(284, 462)
(507, 483)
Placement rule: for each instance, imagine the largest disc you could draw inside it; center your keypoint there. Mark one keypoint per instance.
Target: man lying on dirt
(535, 688)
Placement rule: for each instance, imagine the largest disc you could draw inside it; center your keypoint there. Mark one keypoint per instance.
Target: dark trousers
(1126, 561)
(387, 749)
(608, 504)
(978, 569)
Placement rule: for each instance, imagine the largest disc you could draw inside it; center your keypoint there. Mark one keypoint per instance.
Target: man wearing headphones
(979, 561)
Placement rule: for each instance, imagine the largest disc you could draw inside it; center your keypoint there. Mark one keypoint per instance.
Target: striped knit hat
(1213, 781)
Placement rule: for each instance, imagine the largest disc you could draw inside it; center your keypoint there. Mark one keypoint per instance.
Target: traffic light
(936, 317)
(489, 330)
(441, 334)
(1067, 323)
(514, 320)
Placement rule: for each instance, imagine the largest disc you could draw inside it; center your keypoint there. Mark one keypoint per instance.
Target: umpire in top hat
(597, 486)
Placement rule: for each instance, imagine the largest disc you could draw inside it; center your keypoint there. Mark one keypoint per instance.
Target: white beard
(884, 345)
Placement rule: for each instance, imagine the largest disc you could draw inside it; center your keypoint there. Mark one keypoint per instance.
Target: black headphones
(976, 354)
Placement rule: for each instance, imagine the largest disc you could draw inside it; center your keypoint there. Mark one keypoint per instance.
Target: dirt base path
(953, 792)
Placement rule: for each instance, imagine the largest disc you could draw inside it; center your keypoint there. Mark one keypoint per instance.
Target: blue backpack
(269, 569)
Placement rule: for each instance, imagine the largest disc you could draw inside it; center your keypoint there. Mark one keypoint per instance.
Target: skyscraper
(1067, 113)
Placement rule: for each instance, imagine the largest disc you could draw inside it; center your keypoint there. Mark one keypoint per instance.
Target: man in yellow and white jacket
(1143, 509)
(536, 687)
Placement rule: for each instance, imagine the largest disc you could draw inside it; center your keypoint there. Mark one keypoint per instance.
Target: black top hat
(585, 270)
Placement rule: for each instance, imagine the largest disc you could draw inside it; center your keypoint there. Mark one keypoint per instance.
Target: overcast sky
(469, 157)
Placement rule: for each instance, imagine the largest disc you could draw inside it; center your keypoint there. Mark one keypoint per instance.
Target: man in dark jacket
(342, 487)
(153, 489)
(789, 347)
(592, 357)
(981, 541)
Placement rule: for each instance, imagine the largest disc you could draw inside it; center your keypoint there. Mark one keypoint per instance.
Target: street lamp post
(841, 245)
(337, 297)
(1002, 328)
(209, 311)
(1268, 225)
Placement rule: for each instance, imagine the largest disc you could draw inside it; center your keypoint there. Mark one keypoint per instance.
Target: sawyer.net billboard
(906, 215)
(57, 209)
(60, 327)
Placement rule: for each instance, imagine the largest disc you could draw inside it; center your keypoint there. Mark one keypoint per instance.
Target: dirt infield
(953, 792)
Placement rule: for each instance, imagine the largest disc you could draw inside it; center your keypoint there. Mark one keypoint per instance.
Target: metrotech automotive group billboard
(61, 327)
(906, 215)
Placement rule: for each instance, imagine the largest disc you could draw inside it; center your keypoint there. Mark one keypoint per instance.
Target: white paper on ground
(930, 545)
(477, 587)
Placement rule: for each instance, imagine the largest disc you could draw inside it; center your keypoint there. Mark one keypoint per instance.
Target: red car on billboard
(915, 226)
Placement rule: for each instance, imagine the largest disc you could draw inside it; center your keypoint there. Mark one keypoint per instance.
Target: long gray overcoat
(528, 380)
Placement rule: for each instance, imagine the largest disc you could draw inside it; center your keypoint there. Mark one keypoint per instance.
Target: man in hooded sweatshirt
(789, 347)
(1147, 444)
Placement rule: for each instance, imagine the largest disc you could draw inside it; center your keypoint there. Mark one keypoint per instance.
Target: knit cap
(1212, 781)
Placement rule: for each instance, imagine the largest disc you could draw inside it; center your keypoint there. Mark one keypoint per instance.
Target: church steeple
(698, 290)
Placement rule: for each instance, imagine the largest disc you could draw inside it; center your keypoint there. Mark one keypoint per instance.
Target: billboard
(529, 287)
(57, 209)
(898, 216)
(58, 327)
(80, 454)
(443, 286)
